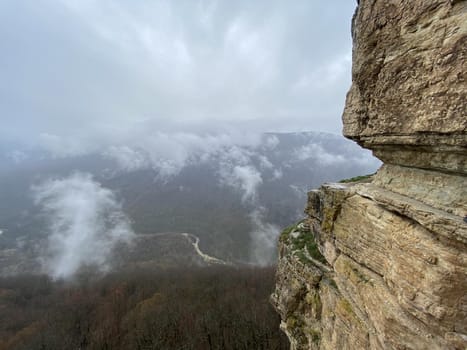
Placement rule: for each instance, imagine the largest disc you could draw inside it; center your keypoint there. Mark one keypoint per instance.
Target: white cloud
(248, 178)
(271, 142)
(168, 153)
(84, 75)
(59, 146)
(127, 158)
(244, 178)
(277, 174)
(85, 221)
(318, 153)
(264, 238)
(327, 75)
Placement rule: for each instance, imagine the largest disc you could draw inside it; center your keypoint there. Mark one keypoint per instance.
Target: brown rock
(393, 273)
(408, 100)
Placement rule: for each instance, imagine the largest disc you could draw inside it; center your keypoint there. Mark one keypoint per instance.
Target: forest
(190, 308)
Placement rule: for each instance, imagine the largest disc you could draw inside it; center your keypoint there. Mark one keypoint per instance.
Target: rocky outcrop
(408, 98)
(382, 263)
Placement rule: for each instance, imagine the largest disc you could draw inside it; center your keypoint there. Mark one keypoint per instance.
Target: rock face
(382, 263)
(408, 98)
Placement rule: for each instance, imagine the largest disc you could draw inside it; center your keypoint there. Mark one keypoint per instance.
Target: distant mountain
(230, 199)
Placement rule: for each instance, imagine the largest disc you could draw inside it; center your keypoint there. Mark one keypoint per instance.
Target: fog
(246, 179)
(316, 152)
(264, 238)
(163, 85)
(169, 153)
(80, 76)
(85, 223)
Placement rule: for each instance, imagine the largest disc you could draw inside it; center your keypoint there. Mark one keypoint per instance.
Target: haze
(216, 102)
(80, 76)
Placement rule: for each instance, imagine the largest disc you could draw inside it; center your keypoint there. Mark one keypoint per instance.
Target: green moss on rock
(361, 178)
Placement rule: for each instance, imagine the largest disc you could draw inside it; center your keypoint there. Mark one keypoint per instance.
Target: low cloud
(243, 162)
(322, 156)
(170, 65)
(127, 159)
(246, 179)
(264, 236)
(277, 174)
(167, 153)
(238, 172)
(60, 147)
(17, 156)
(317, 152)
(86, 222)
(241, 165)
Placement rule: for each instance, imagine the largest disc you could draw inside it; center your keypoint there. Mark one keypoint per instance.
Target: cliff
(381, 263)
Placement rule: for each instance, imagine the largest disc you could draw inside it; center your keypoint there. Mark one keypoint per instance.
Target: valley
(235, 202)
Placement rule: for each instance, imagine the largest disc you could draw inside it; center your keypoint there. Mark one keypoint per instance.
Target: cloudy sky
(83, 74)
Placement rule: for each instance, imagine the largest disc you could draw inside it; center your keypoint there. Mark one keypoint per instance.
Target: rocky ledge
(382, 263)
(373, 269)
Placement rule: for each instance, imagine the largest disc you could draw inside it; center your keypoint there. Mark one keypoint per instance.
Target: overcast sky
(92, 73)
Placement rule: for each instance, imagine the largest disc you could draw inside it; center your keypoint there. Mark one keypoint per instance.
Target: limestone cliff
(382, 263)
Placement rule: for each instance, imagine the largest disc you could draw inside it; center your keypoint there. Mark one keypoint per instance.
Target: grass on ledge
(357, 178)
(305, 241)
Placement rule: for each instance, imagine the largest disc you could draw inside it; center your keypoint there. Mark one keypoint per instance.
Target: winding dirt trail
(194, 240)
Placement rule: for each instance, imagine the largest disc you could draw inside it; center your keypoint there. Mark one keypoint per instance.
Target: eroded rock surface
(382, 264)
(408, 99)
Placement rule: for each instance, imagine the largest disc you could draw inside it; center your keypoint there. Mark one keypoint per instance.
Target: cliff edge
(381, 263)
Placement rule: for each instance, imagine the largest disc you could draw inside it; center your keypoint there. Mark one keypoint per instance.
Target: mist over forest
(137, 255)
(62, 214)
(151, 153)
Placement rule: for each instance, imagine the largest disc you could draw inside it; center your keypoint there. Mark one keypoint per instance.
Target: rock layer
(408, 99)
(382, 264)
